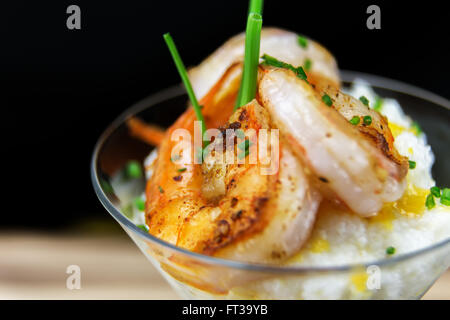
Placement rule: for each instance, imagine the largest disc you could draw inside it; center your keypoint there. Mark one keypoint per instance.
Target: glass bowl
(192, 275)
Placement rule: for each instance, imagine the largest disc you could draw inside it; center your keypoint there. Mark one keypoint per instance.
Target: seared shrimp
(343, 160)
(161, 186)
(278, 43)
(232, 210)
(377, 131)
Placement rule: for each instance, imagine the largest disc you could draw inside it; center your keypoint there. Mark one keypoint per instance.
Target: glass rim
(174, 91)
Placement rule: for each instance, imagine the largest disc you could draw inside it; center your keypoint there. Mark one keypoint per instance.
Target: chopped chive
(307, 64)
(412, 164)
(301, 73)
(256, 6)
(327, 100)
(133, 169)
(182, 169)
(302, 41)
(367, 120)
(274, 62)
(127, 210)
(247, 89)
(445, 197)
(364, 100)
(436, 191)
(390, 250)
(139, 203)
(355, 120)
(429, 202)
(106, 186)
(161, 190)
(244, 145)
(143, 227)
(378, 104)
(416, 127)
(184, 77)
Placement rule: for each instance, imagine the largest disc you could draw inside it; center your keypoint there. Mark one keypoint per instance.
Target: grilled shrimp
(233, 210)
(278, 43)
(347, 162)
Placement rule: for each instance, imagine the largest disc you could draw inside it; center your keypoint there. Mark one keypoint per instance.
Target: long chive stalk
(256, 6)
(247, 89)
(184, 77)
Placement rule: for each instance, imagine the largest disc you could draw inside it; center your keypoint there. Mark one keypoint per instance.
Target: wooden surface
(33, 266)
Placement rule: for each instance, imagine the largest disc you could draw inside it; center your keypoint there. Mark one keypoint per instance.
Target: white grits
(341, 238)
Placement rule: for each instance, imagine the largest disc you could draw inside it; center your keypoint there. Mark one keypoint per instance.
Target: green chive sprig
(184, 77)
(247, 89)
(256, 6)
(412, 164)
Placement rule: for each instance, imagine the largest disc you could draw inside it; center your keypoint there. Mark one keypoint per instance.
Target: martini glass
(197, 276)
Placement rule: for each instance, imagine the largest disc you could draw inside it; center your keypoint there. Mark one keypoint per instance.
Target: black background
(60, 88)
